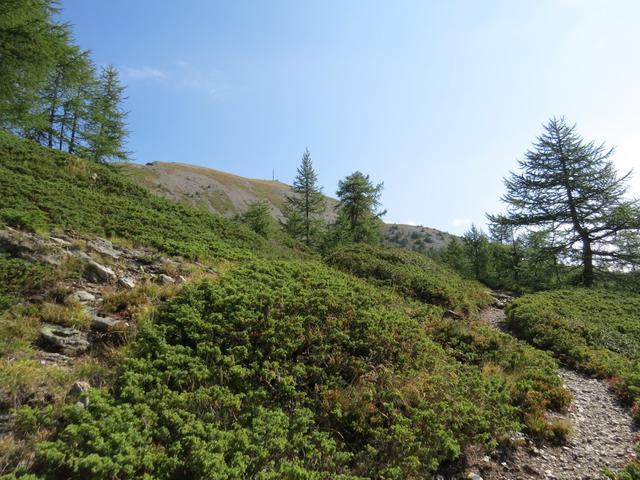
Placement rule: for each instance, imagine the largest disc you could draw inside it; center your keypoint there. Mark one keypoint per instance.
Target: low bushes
(282, 370)
(593, 330)
(411, 274)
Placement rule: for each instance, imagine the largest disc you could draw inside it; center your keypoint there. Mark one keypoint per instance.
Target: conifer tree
(29, 45)
(106, 128)
(304, 207)
(358, 215)
(571, 187)
(476, 243)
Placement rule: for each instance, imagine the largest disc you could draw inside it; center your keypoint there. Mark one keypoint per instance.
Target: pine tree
(107, 132)
(303, 209)
(358, 216)
(572, 188)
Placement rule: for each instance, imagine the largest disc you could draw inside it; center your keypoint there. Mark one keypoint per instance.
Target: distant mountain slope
(229, 194)
(217, 191)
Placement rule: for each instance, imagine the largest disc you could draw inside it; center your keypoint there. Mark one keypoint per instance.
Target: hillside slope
(197, 354)
(229, 194)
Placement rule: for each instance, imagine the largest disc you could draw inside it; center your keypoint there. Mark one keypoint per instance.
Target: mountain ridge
(229, 194)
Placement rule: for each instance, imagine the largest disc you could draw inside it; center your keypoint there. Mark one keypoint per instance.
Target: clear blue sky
(435, 98)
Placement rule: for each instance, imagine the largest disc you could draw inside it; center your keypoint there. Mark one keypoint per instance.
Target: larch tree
(106, 131)
(571, 188)
(29, 44)
(303, 209)
(358, 215)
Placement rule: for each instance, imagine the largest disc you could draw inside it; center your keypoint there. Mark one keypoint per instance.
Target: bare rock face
(98, 273)
(68, 341)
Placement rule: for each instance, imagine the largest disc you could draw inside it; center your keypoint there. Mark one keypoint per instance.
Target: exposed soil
(602, 435)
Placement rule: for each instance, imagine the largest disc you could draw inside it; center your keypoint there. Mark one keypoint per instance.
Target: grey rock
(78, 388)
(104, 247)
(127, 282)
(165, 279)
(474, 476)
(51, 358)
(108, 324)
(66, 340)
(98, 273)
(82, 296)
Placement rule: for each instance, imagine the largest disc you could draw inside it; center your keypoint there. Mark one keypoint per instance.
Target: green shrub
(597, 331)
(282, 370)
(411, 274)
(46, 187)
(29, 220)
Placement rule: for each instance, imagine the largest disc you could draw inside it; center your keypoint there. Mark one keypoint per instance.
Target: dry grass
(72, 314)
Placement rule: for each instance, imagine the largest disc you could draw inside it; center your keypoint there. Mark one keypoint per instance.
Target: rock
(66, 340)
(98, 273)
(104, 247)
(474, 476)
(127, 282)
(61, 241)
(78, 388)
(81, 296)
(108, 324)
(165, 279)
(50, 358)
(452, 315)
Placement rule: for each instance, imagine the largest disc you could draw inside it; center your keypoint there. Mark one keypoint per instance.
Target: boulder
(78, 388)
(165, 279)
(127, 282)
(108, 324)
(66, 340)
(104, 247)
(98, 273)
(81, 296)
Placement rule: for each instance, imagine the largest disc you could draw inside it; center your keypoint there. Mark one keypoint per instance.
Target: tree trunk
(74, 126)
(587, 262)
(62, 125)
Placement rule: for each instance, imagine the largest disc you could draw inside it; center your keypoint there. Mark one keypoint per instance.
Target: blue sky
(437, 99)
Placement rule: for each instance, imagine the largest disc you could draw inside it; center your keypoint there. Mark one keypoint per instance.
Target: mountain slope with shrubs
(275, 367)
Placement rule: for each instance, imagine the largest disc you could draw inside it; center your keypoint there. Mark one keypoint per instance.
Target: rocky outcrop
(66, 340)
(98, 273)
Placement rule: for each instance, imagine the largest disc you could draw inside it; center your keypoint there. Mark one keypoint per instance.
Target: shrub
(282, 369)
(411, 274)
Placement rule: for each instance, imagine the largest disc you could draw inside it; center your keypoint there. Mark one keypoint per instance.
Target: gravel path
(603, 433)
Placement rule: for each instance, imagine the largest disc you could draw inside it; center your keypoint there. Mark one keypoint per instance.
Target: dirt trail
(603, 433)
